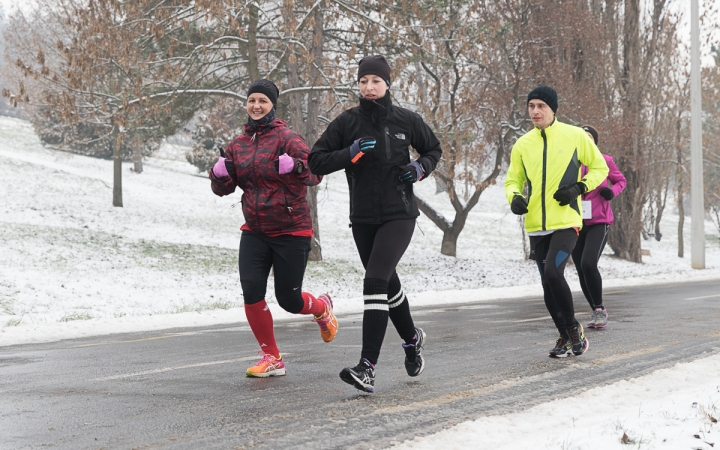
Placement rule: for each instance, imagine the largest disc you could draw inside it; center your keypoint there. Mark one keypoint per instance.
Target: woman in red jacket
(269, 163)
(593, 236)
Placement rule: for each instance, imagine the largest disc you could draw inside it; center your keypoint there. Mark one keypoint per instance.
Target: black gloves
(567, 194)
(519, 205)
(607, 193)
(411, 173)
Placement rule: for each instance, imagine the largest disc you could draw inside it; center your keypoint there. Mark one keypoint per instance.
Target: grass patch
(76, 316)
(73, 246)
(13, 322)
(208, 306)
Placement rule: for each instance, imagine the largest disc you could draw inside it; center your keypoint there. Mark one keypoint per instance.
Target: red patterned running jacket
(272, 204)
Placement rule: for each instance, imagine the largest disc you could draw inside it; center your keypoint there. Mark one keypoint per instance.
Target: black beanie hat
(592, 131)
(266, 87)
(374, 65)
(546, 94)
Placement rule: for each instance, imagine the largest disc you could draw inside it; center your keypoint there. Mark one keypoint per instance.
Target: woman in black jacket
(371, 142)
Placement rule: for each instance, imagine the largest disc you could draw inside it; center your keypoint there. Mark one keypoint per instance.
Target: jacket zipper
(544, 176)
(388, 151)
(257, 191)
(352, 190)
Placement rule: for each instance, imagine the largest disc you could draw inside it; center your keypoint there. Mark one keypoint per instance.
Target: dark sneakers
(563, 348)
(361, 376)
(579, 342)
(414, 361)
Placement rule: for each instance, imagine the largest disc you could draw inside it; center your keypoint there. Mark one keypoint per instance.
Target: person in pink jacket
(597, 218)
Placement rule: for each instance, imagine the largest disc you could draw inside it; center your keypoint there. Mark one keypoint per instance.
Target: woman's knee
(252, 292)
(588, 265)
(291, 302)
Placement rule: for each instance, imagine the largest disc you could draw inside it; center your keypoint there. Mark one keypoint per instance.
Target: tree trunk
(312, 127)
(449, 243)
(681, 221)
(660, 205)
(315, 244)
(625, 234)
(137, 158)
(253, 64)
(117, 172)
(679, 178)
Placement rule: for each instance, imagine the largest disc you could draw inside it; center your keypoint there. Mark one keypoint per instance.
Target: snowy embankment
(73, 265)
(674, 408)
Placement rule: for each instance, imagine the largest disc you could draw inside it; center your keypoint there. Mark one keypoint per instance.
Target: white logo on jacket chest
(400, 136)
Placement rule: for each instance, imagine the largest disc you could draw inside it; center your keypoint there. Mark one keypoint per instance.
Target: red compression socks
(261, 323)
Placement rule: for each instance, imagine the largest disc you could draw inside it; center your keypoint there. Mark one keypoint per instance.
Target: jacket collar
(275, 123)
(549, 130)
(376, 109)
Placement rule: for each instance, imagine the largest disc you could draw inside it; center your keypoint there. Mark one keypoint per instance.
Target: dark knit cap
(374, 65)
(546, 94)
(266, 87)
(592, 131)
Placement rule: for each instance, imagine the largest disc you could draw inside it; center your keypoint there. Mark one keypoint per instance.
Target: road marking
(168, 369)
(127, 342)
(627, 355)
(706, 296)
(531, 320)
(544, 318)
(507, 384)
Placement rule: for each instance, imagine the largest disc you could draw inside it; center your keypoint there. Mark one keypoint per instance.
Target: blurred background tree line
(113, 78)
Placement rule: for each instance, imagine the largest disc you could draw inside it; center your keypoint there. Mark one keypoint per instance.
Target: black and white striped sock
(400, 311)
(375, 318)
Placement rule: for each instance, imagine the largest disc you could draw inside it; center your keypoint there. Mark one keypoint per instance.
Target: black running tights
(586, 255)
(380, 247)
(551, 253)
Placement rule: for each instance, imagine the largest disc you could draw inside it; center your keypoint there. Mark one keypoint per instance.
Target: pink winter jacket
(601, 210)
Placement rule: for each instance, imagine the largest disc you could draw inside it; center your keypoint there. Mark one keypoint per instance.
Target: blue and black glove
(519, 205)
(360, 147)
(567, 194)
(411, 173)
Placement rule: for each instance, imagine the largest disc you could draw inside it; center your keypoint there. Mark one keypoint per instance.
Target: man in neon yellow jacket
(548, 158)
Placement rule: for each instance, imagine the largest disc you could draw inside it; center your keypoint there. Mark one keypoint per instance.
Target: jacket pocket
(276, 213)
(403, 195)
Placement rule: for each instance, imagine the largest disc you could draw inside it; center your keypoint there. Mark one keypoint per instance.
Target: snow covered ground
(674, 408)
(72, 265)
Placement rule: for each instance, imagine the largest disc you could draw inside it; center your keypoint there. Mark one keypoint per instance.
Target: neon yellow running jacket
(548, 159)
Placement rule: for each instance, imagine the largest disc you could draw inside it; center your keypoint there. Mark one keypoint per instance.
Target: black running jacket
(376, 193)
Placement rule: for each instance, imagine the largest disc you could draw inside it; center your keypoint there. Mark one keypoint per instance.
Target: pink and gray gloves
(286, 164)
(219, 168)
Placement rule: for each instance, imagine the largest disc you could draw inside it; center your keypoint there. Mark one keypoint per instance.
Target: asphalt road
(186, 389)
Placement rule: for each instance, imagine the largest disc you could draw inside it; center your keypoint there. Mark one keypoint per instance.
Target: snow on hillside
(72, 264)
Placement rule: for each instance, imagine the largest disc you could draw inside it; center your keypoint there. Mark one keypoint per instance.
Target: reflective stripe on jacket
(548, 159)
